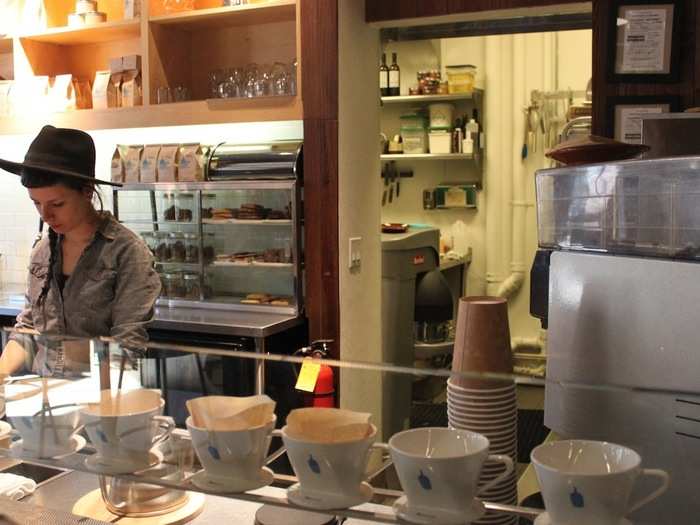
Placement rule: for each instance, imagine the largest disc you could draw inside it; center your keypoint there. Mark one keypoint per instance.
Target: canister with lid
(191, 248)
(192, 286)
(460, 78)
(176, 243)
(174, 285)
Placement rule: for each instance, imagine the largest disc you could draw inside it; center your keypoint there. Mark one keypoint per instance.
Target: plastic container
(415, 140)
(192, 287)
(441, 115)
(185, 207)
(174, 285)
(191, 248)
(413, 120)
(460, 79)
(440, 140)
(649, 207)
(176, 244)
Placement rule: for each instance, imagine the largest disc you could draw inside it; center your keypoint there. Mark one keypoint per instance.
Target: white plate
(98, 464)
(203, 481)
(77, 443)
(323, 501)
(5, 429)
(543, 519)
(432, 516)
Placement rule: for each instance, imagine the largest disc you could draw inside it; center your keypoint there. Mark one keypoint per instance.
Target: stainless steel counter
(245, 324)
(61, 494)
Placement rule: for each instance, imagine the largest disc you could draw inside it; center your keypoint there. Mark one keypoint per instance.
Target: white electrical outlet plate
(354, 253)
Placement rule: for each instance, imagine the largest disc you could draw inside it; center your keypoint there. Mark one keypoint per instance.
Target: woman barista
(91, 276)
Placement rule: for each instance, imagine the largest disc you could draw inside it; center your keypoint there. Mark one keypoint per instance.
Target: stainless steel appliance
(621, 307)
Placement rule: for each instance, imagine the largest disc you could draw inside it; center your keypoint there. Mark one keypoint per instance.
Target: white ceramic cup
(335, 469)
(439, 468)
(48, 433)
(127, 434)
(232, 454)
(589, 482)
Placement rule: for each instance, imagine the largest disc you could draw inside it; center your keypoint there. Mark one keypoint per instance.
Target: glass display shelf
(102, 394)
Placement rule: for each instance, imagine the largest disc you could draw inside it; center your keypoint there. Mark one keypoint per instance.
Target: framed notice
(645, 36)
(625, 115)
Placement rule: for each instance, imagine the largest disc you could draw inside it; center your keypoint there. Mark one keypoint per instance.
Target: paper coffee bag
(149, 163)
(132, 164)
(168, 163)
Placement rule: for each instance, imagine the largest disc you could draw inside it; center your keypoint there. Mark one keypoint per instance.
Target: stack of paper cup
(486, 405)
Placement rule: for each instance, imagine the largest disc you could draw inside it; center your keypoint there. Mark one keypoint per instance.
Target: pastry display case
(232, 243)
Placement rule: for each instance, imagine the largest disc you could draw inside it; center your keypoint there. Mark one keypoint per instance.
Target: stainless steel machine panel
(623, 365)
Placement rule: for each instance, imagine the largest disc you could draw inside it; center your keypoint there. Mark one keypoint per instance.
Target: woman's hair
(34, 178)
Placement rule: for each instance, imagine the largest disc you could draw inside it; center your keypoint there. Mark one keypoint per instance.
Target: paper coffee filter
(328, 425)
(124, 402)
(229, 412)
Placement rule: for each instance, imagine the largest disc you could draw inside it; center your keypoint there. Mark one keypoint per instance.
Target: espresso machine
(617, 284)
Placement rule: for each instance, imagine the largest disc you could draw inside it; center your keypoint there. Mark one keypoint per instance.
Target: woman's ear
(88, 192)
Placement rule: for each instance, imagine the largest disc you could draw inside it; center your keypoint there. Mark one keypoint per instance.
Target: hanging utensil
(526, 134)
(391, 182)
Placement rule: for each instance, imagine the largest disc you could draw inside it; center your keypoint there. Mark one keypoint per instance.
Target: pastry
(279, 302)
(258, 296)
(250, 301)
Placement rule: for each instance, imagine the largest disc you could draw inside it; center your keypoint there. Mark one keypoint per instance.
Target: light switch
(355, 255)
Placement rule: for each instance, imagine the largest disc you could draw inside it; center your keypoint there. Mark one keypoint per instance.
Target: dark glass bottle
(394, 77)
(383, 77)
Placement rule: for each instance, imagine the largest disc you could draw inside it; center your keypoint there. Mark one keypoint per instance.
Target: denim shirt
(111, 292)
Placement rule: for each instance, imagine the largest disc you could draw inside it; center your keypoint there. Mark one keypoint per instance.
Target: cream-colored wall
(509, 68)
(358, 213)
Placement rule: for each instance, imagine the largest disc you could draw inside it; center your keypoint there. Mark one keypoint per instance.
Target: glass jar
(169, 207)
(176, 244)
(208, 250)
(192, 286)
(185, 207)
(163, 290)
(208, 205)
(460, 79)
(162, 246)
(173, 285)
(191, 248)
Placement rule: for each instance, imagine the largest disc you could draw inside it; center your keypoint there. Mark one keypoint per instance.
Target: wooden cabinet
(177, 49)
(384, 10)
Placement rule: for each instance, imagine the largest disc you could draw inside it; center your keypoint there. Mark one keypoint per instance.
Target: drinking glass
(163, 95)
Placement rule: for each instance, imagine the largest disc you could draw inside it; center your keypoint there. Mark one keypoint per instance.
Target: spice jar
(192, 286)
(162, 248)
(174, 285)
(191, 248)
(169, 207)
(185, 207)
(176, 243)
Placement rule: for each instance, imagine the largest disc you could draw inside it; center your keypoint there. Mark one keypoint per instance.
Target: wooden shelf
(92, 34)
(428, 156)
(177, 114)
(249, 14)
(431, 98)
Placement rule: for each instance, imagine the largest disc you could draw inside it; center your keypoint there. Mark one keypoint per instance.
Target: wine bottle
(383, 77)
(394, 77)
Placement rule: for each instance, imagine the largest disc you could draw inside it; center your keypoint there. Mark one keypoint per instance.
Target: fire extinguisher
(324, 391)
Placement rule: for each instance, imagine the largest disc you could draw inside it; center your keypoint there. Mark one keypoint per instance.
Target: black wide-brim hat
(63, 152)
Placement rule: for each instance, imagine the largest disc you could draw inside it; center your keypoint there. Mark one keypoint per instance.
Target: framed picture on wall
(625, 114)
(645, 41)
